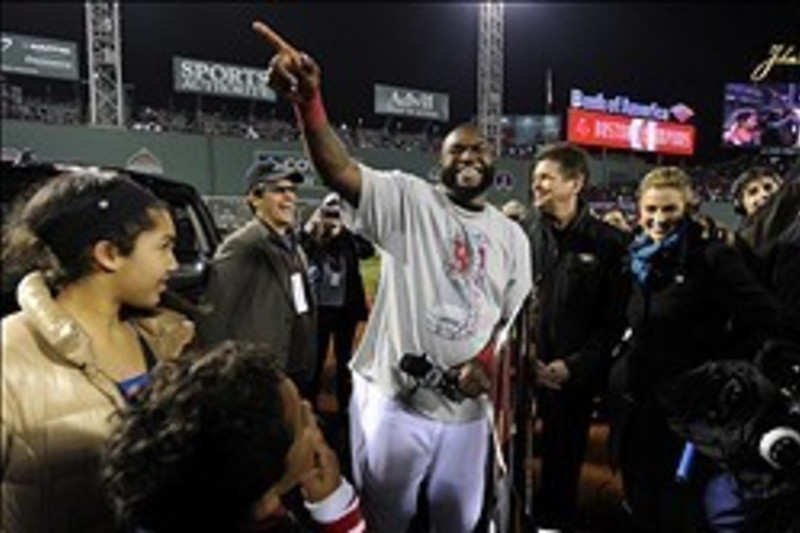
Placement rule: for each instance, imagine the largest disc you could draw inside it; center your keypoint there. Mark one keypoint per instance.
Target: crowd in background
(712, 181)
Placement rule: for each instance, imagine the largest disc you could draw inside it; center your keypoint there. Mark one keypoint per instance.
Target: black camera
(745, 415)
(429, 375)
(333, 213)
(779, 443)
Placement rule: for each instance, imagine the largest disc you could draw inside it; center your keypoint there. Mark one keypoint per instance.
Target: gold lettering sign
(779, 54)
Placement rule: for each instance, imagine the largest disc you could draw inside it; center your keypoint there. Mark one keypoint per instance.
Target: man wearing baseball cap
(258, 286)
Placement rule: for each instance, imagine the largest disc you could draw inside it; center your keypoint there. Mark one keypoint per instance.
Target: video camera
(744, 415)
(331, 212)
(429, 375)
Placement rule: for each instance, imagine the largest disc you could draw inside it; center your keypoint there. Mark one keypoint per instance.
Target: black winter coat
(348, 247)
(681, 318)
(581, 288)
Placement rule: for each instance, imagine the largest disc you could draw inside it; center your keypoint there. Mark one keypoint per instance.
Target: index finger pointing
(275, 40)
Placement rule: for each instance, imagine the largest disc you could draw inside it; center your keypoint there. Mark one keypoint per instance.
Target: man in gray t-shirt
(454, 270)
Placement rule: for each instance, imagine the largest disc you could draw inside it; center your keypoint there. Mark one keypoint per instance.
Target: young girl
(94, 247)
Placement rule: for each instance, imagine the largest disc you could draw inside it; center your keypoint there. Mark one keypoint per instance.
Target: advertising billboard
(40, 56)
(288, 162)
(220, 79)
(624, 105)
(530, 130)
(411, 103)
(757, 115)
(627, 133)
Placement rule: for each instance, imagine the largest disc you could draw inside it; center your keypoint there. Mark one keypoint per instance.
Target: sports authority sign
(411, 103)
(220, 79)
(617, 131)
(40, 56)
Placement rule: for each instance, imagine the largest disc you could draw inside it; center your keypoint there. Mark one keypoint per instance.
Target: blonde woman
(687, 288)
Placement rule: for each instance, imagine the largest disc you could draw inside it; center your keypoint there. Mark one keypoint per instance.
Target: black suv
(197, 235)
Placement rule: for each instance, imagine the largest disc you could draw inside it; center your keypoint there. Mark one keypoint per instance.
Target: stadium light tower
(104, 52)
(490, 71)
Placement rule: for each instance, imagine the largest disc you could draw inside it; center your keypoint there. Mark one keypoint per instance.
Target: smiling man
(454, 270)
(581, 291)
(258, 286)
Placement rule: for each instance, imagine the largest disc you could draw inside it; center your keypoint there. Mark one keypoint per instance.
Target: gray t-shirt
(449, 276)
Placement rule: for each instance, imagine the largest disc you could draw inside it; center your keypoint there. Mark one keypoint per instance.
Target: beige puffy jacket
(57, 412)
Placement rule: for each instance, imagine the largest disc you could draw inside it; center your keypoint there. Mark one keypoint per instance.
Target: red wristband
(311, 115)
(486, 357)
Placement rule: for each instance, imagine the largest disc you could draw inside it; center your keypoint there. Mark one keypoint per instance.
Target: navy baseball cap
(267, 171)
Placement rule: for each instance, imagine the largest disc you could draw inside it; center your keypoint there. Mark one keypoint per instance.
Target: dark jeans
(335, 322)
(730, 508)
(565, 430)
(649, 459)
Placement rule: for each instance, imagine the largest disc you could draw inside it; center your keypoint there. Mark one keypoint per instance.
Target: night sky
(664, 53)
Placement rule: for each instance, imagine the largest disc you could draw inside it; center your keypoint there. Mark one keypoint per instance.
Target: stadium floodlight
(104, 53)
(490, 72)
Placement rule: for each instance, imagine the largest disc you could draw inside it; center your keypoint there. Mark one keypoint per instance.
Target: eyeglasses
(282, 189)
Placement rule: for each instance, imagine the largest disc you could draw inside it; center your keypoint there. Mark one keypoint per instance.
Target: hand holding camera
(429, 375)
(468, 380)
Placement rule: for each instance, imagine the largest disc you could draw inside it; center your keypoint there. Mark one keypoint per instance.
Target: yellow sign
(779, 54)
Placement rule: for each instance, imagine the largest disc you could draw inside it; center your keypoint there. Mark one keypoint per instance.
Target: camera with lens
(745, 415)
(333, 213)
(427, 374)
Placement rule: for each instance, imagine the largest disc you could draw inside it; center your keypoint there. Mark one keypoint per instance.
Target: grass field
(370, 271)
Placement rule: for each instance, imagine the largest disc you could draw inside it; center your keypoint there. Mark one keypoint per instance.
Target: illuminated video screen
(757, 115)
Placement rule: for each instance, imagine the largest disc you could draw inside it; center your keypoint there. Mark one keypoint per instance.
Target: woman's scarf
(643, 249)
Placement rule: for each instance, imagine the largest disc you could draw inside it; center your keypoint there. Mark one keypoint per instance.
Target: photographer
(753, 491)
(769, 236)
(333, 254)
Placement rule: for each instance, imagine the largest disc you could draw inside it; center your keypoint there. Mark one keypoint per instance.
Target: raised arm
(296, 77)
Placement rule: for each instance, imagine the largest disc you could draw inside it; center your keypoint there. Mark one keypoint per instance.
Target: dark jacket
(349, 248)
(250, 289)
(772, 219)
(770, 241)
(581, 288)
(783, 264)
(681, 318)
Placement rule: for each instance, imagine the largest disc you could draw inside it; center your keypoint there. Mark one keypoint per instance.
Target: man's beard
(464, 194)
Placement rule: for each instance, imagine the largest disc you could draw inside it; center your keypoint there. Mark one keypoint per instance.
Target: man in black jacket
(769, 237)
(333, 254)
(581, 290)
